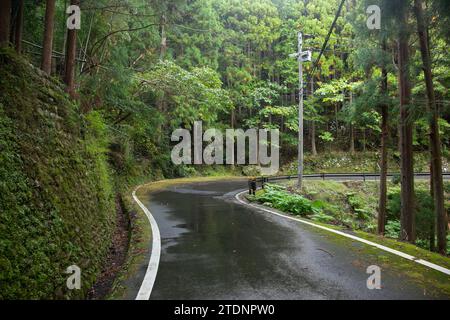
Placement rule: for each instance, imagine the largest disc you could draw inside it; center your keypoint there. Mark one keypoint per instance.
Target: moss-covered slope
(56, 206)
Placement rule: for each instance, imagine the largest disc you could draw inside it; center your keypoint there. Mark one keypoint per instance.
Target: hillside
(56, 205)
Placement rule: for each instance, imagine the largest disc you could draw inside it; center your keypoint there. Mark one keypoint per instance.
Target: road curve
(212, 247)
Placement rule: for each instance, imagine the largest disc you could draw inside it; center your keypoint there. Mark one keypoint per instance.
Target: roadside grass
(433, 282)
(406, 248)
(342, 204)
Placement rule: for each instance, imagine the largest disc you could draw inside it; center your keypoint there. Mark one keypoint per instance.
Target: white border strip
(370, 243)
(152, 269)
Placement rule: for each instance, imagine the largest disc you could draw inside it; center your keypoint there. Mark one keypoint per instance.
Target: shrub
(396, 179)
(322, 217)
(447, 187)
(448, 244)
(424, 211)
(392, 229)
(276, 197)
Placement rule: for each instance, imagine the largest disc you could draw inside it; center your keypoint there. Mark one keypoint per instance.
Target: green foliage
(334, 202)
(326, 136)
(393, 229)
(188, 95)
(244, 47)
(344, 162)
(447, 187)
(351, 204)
(276, 197)
(448, 244)
(359, 206)
(396, 179)
(322, 217)
(424, 217)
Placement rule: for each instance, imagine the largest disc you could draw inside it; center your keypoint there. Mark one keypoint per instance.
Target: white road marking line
(152, 269)
(376, 245)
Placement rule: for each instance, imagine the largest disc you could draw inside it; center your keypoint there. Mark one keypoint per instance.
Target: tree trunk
(337, 121)
(47, 49)
(71, 53)
(352, 139)
(313, 124)
(352, 130)
(162, 31)
(364, 140)
(19, 27)
(62, 62)
(433, 222)
(5, 22)
(313, 138)
(407, 214)
(384, 154)
(435, 140)
(233, 118)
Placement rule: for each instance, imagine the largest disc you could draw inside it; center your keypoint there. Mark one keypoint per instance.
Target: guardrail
(325, 176)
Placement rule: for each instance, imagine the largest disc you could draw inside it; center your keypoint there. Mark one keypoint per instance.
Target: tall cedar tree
(435, 140)
(47, 48)
(384, 149)
(5, 21)
(18, 30)
(163, 35)
(71, 53)
(407, 215)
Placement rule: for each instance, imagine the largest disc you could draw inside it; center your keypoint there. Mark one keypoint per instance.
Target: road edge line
(379, 246)
(152, 269)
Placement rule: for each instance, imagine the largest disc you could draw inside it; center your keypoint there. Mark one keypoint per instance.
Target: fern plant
(276, 197)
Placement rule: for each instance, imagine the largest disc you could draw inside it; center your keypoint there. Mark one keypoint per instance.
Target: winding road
(213, 247)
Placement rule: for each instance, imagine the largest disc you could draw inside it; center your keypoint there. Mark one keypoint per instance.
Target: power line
(338, 13)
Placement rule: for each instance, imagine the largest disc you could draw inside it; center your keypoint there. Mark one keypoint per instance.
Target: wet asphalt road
(215, 248)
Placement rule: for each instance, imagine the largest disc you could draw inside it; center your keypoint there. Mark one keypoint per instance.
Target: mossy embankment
(56, 200)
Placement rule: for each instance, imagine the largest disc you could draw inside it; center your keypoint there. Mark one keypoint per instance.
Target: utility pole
(302, 56)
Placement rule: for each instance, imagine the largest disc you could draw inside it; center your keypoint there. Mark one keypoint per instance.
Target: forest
(136, 70)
